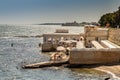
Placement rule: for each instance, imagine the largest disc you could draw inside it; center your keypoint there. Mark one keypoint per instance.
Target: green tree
(112, 18)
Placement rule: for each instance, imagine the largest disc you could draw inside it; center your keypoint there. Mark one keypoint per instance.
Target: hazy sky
(39, 11)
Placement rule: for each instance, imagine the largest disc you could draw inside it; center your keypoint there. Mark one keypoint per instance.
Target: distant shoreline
(72, 24)
(50, 24)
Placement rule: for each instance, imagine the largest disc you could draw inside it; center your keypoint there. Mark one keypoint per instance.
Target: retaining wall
(94, 56)
(114, 36)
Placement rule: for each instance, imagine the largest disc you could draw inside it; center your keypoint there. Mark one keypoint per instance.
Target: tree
(112, 18)
(119, 16)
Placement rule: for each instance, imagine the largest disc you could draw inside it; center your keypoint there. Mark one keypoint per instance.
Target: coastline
(113, 70)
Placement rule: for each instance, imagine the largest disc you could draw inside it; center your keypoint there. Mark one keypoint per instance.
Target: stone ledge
(94, 49)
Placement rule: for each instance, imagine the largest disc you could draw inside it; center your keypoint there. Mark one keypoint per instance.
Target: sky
(46, 11)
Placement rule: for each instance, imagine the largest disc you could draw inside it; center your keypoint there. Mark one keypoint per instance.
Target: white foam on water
(109, 72)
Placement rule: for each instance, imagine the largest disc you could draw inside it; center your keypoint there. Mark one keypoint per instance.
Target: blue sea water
(26, 50)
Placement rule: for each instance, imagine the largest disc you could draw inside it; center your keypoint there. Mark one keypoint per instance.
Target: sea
(25, 49)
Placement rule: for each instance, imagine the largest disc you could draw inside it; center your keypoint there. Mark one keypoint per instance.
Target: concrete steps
(97, 45)
(108, 44)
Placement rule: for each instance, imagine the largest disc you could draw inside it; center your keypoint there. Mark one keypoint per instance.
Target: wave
(114, 76)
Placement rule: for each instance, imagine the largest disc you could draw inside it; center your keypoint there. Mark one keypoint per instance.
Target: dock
(45, 64)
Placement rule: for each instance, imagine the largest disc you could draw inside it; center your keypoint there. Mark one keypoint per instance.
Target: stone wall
(62, 31)
(58, 36)
(96, 34)
(47, 47)
(94, 56)
(114, 36)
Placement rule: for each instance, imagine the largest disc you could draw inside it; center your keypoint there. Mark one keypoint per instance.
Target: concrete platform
(45, 64)
(97, 45)
(108, 44)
